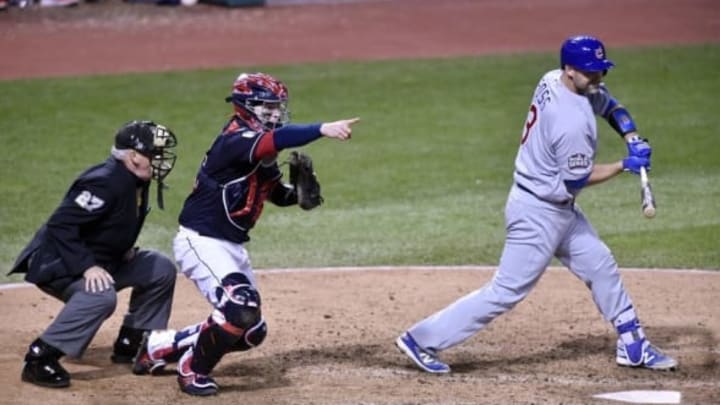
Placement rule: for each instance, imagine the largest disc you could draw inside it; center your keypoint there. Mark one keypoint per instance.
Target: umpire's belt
(564, 203)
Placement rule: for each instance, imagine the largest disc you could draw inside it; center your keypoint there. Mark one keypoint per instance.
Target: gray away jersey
(559, 139)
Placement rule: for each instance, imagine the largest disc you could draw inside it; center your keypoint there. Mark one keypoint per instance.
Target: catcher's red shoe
(144, 361)
(193, 383)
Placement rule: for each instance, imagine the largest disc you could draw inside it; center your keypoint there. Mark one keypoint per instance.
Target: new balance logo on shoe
(424, 359)
(652, 358)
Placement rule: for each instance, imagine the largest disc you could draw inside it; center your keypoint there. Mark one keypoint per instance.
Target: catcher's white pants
(206, 261)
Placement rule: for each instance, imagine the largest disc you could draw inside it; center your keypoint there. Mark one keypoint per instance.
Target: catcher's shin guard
(237, 317)
(160, 347)
(211, 345)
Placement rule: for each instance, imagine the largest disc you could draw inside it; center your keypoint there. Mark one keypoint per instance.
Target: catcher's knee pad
(238, 303)
(252, 337)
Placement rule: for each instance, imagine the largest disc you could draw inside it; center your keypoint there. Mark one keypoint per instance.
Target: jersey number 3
(531, 120)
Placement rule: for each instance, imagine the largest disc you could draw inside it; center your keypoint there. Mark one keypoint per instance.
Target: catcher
(239, 172)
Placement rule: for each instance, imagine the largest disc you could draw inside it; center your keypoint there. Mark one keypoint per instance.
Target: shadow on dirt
(271, 371)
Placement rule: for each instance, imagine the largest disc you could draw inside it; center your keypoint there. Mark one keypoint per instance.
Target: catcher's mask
(154, 141)
(261, 97)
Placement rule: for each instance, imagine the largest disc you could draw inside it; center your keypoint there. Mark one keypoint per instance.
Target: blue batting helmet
(585, 53)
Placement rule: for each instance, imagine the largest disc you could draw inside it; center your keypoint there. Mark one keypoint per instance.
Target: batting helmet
(585, 53)
(262, 97)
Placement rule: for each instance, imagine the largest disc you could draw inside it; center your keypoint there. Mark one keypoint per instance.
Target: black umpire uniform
(97, 224)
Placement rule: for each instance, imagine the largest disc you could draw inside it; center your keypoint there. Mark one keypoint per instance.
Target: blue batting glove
(634, 163)
(639, 147)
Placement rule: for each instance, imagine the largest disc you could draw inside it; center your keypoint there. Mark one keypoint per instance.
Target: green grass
(425, 177)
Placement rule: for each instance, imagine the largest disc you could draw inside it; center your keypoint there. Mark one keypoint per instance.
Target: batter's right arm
(604, 171)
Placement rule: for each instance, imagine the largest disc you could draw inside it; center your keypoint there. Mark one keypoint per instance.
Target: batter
(555, 161)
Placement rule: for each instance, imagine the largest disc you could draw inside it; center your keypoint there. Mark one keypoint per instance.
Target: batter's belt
(564, 203)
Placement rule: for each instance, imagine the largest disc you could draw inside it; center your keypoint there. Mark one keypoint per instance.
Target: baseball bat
(646, 195)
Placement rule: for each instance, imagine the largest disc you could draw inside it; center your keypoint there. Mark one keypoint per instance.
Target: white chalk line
(347, 269)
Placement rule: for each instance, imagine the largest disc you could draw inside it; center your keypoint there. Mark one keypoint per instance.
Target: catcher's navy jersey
(235, 178)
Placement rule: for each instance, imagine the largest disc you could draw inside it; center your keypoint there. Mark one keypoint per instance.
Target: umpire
(85, 253)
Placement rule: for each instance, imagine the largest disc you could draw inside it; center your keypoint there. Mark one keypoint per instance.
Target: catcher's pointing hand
(338, 129)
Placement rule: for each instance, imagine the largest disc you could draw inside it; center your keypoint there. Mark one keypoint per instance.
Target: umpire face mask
(154, 141)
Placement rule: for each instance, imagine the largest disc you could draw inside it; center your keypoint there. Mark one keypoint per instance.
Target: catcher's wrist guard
(304, 180)
(283, 195)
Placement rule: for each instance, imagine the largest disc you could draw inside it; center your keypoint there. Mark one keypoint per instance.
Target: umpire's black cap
(137, 135)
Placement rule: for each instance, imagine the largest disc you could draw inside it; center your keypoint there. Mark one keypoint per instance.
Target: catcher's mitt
(303, 178)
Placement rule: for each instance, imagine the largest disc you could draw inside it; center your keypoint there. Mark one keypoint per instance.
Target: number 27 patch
(89, 202)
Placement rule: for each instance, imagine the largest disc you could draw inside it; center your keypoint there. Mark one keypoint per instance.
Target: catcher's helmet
(262, 97)
(585, 53)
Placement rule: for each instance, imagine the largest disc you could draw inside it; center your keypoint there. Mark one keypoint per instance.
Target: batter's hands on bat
(634, 163)
(639, 147)
(97, 279)
(338, 129)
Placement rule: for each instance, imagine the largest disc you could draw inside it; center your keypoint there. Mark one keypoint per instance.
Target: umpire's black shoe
(46, 373)
(122, 356)
(42, 366)
(126, 345)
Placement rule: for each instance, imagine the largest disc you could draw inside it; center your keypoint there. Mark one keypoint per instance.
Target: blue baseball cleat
(645, 354)
(425, 359)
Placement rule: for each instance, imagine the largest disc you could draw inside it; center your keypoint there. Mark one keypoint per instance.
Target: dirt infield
(331, 332)
(331, 342)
